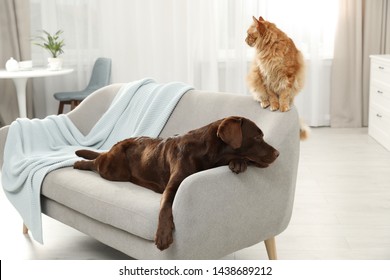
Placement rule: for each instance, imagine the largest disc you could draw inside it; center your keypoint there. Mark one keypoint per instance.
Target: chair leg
(271, 248)
(25, 229)
(61, 108)
(73, 104)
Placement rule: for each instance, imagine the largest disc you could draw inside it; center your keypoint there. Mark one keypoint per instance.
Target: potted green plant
(54, 45)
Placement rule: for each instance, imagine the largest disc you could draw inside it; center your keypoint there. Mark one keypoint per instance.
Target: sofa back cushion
(199, 108)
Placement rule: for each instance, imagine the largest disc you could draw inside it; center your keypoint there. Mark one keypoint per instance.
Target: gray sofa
(216, 212)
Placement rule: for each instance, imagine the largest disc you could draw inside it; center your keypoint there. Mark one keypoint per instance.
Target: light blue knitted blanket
(35, 147)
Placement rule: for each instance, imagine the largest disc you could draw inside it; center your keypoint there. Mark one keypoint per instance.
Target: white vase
(12, 65)
(55, 63)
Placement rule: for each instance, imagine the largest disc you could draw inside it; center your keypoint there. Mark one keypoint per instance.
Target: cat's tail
(304, 130)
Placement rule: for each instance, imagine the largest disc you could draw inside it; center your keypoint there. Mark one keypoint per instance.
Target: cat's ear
(259, 25)
(261, 28)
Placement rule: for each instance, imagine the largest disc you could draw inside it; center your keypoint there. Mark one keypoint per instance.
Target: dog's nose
(276, 153)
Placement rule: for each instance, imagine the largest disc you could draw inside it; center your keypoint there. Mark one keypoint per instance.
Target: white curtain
(14, 42)
(363, 30)
(347, 75)
(200, 42)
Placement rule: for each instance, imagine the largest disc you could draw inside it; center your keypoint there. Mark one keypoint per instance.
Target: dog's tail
(304, 130)
(87, 154)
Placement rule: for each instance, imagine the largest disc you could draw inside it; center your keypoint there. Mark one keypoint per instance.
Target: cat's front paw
(285, 108)
(264, 104)
(274, 106)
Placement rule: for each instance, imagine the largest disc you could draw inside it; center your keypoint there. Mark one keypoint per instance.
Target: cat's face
(256, 31)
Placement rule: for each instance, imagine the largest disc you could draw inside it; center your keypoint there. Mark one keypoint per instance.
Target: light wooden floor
(341, 210)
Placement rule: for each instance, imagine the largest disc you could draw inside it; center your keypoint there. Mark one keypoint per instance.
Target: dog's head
(246, 140)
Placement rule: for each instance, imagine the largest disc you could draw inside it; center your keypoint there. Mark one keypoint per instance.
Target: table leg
(20, 85)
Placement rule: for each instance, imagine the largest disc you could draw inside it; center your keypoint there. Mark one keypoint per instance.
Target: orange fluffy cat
(277, 71)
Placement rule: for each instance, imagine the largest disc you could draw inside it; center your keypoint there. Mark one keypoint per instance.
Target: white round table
(20, 80)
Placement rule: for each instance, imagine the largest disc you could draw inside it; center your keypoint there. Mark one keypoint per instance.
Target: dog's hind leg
(85, 165)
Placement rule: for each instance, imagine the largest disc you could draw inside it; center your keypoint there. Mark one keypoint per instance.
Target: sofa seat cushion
(123, 205)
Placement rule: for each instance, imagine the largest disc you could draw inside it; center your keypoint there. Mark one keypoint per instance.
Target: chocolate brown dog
(162, 164)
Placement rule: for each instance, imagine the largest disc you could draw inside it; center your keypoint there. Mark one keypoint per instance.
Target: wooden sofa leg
(271, 248)
(25, 229)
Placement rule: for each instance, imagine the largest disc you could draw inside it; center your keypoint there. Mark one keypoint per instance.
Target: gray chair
(100, 77)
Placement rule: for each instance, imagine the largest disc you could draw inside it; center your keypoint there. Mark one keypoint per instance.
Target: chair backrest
(101, 73)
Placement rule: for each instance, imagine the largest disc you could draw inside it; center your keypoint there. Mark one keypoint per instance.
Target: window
(311, 24)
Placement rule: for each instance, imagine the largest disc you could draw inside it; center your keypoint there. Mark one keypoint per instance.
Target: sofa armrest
(244, 208)
(93, 107)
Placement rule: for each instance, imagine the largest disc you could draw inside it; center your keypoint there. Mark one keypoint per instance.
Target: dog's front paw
(238, 166)
(164, 236)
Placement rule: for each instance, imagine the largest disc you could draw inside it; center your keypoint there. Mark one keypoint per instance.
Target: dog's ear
(261, 18)
(230, 132)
